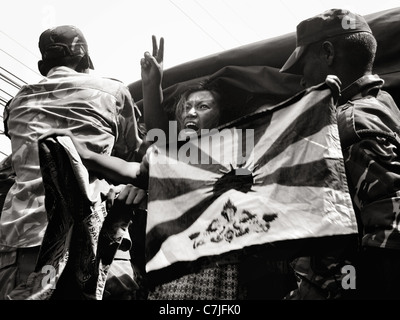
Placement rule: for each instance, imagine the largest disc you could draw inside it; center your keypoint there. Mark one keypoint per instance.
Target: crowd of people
(101, 118)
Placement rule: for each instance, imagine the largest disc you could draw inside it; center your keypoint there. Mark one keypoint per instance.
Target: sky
(119, 31)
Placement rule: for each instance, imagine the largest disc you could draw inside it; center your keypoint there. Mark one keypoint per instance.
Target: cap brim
(292, 64)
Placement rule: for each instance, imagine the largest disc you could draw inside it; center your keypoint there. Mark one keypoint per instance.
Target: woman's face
(201, 111)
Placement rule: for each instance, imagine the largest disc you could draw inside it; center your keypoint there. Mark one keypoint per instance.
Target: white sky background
(119, 31)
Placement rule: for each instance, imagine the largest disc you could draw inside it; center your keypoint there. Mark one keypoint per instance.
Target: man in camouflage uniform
(340, 43)
(99, 111)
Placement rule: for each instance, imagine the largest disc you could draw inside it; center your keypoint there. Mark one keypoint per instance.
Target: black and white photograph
(197, 156)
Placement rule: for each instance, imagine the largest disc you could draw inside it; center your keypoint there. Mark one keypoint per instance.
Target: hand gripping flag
(274, 175)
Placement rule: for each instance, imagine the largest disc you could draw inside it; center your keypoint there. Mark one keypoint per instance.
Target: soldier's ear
(328, 52)
(41, 68)
(83, 64)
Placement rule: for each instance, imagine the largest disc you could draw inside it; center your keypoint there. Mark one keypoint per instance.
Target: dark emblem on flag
(241, 179)
(232, 224)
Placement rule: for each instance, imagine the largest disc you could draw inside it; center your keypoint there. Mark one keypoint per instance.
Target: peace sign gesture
(152, 65)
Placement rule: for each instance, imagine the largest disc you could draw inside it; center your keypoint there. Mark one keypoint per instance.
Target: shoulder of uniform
(113, 79)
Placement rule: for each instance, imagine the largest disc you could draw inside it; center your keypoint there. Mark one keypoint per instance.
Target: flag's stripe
(210, 166)
(191, 152)
(197, 170)
(157, 235)
(219, 150)
(259, 127)
(294, 144)
(323, 144)
(315, 174)
(169, 188)
(181, 170)
(293, 196)
(269, 126)
(319, 173)
(164, 210)
(306, 122)
(302, 212)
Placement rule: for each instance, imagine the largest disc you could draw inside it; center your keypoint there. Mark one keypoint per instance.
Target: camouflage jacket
(369, 129)
(368, 123)
(101, 114)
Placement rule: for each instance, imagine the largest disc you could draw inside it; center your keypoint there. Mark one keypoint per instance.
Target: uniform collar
(366, 85)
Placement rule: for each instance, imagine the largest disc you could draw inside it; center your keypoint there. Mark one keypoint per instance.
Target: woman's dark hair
(205, 85)
(232, 101)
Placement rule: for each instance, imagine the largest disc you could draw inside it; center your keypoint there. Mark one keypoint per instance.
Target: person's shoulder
(378, 99)
(378, 102)
(110, 85)
(386, 97)
(113, 81)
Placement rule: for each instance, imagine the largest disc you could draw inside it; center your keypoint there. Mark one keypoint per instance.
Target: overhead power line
(219, 23)
(20, 62)
(11, 38)
(3, 101)
(9, 81)
(3, 153)
(10, 95)
(199, 26)
(240, 17)
(12, 74)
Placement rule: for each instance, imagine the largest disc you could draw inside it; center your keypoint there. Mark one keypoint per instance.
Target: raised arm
(152, 73)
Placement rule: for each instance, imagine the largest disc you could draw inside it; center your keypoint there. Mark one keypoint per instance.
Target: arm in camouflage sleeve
(115, 170)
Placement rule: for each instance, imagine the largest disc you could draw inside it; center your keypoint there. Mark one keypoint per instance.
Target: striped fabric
(80, 242)
(278, 174)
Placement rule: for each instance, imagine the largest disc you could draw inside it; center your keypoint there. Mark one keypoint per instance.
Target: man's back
(96, 110)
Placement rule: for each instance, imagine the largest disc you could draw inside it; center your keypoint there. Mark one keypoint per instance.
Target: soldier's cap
(328, 24)
(61, 41)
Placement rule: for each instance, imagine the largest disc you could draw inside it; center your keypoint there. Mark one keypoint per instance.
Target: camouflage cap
(63, 41)
(328, 24)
